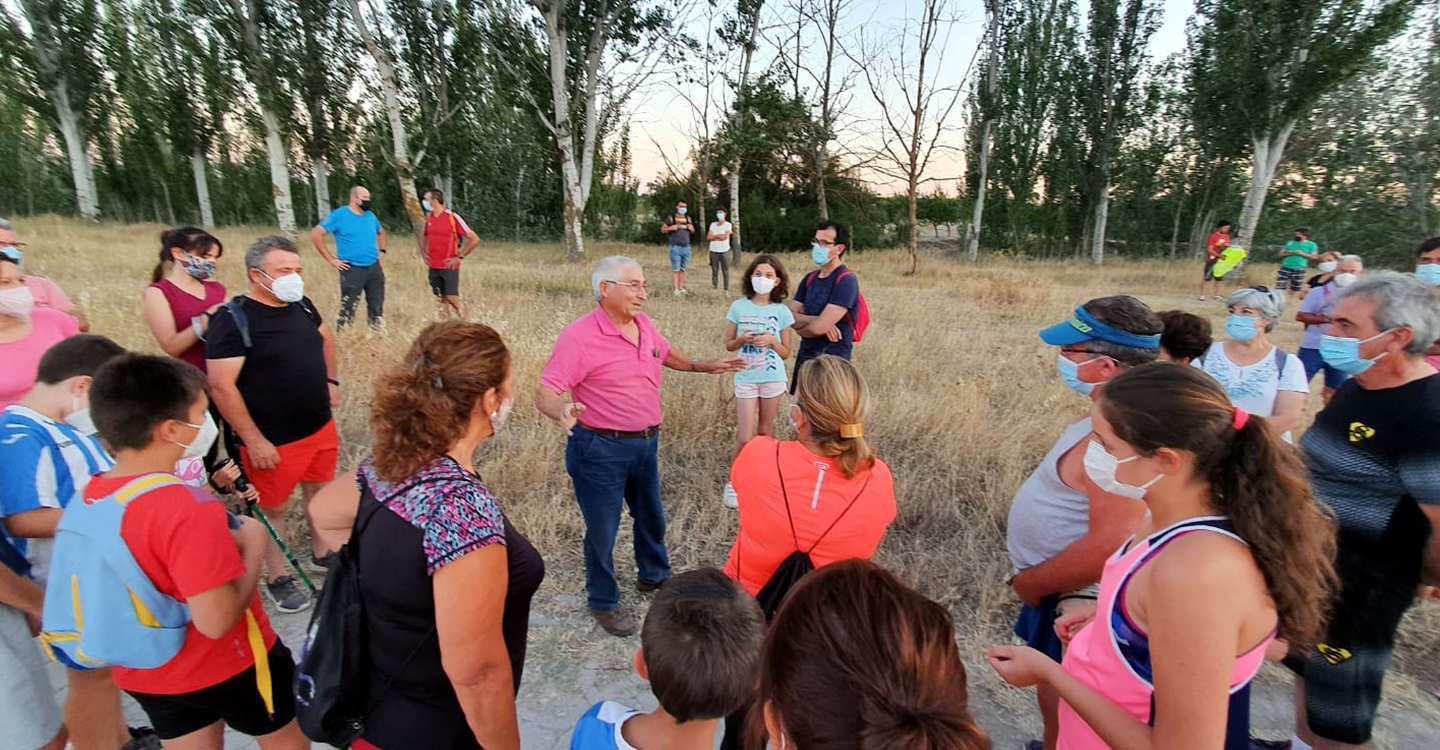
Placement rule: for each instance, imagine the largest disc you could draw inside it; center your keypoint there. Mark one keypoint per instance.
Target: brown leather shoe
(646, 587)
(616, 622)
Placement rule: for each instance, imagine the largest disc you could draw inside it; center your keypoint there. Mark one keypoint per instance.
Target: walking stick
(252, 509)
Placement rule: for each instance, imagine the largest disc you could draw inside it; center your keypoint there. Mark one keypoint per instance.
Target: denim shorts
(679, 257)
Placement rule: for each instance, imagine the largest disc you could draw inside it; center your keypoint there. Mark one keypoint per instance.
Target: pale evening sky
(662, 124)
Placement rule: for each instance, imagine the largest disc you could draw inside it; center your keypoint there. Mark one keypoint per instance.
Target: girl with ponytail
(1233, 553)
(183, 292)
(856, 660)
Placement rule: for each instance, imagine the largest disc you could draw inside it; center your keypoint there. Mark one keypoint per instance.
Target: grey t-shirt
(1046, 515)
(681, 236)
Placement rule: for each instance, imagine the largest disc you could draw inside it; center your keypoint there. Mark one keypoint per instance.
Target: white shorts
(29, 714)
(761, 390)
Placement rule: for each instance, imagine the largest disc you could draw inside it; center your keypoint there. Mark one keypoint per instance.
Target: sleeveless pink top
(1112, 654)
(184, 306)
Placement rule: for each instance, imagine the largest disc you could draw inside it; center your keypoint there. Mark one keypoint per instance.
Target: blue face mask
(425, 205)
(819, 253)
(1070, 373)
(1428, 274)
(1242, 328)
(1343, 353)
(12, 252)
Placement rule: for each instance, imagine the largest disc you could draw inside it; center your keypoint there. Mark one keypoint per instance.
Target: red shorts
(310, 459)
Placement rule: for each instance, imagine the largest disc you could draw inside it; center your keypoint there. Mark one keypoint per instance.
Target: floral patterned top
(454, 510)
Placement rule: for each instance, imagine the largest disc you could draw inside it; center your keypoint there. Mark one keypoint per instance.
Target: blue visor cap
(1084, 327)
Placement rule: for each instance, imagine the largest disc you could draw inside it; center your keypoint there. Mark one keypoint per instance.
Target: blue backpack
(101, 610)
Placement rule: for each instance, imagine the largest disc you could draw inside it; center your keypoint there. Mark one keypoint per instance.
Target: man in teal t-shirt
(1294, 260)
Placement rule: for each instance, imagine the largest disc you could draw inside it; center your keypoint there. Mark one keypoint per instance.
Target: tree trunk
(972, 240)
(574, 229)
(913, 193)
(576, 169)
(399, 143)
(1269, 149)
(320, 180)
(77, 149)
(1102, 213)
(279, 171)
(202, 188)
(820, 160)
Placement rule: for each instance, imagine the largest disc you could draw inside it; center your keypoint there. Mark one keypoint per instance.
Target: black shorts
(235, 701)
(1210, 269)
(445, 282)
(1344, 673)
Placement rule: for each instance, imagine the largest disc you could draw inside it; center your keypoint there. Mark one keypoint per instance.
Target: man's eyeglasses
(634, 286)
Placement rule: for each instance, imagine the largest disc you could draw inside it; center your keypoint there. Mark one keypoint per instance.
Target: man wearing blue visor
(1062, 527)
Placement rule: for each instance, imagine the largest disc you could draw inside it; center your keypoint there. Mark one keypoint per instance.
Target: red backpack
(860, 316)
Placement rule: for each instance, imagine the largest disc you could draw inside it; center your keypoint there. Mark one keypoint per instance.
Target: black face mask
(364, 205)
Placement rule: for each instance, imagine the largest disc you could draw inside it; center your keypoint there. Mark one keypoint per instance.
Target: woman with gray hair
(1259, 376)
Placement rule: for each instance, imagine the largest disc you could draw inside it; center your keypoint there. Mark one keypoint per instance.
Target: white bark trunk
(575, 168)
(399, 143)
(77, 150)
(320, 180)
(1097, 225)
(279, 171)
(1269, 150)
(972, 240)
(202, 188)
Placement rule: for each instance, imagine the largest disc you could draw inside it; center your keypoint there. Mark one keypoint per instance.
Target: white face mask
(499, 417)
(1100, 466)
(204, 439)
(288, 288)
(1328, 266)
(762, 284)
(17, 302)
(1343, 280)
(80, 420)
(719, 215)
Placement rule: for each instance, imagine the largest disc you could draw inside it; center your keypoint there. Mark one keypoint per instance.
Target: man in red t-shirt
(1214, 248)
(147, 410)
(448, 240)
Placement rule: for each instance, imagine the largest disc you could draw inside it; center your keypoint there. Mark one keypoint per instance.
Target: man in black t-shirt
(826, 299)
(1374, 458)
(274, 377)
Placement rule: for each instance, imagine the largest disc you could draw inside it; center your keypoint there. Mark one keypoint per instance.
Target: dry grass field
(966, 401)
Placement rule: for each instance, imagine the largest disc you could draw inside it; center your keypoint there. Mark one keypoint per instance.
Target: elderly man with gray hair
(1315, 312)
(1374, 458)
(273, 374)
(1259, 376)
(609, 362)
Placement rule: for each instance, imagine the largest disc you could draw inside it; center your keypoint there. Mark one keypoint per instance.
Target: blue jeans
(608, 472)
(679, 257)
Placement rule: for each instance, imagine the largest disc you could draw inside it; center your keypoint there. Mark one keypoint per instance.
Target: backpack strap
(1279, 362)
(786, 495)
(242, 323)
(142, 485)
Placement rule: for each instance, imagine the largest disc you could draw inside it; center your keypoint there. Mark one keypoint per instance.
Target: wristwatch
(332, 381)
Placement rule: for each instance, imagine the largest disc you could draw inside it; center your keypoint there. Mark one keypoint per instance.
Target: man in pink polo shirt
(609, 362)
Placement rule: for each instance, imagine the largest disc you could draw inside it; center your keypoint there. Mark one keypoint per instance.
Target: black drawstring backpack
(798, 563)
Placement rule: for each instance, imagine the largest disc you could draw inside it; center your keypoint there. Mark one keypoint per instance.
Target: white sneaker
(731, 500)
(677, 292)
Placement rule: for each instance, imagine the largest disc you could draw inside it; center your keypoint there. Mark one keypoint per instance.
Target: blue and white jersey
(43, 464)
(599, 728)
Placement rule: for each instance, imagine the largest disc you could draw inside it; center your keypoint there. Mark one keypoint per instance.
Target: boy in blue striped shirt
(46, 462)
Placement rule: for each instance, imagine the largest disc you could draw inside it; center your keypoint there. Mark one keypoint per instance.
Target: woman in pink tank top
(1234, 551)
(183, 293)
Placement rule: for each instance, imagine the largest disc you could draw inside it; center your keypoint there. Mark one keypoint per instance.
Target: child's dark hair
(134, 393)
(189, 239)
(1255, 479)
(857, 660)
(77, 355)
(1224, 223)
(701, 642)
(1429, 245)
(1186, 336)
(782, 279)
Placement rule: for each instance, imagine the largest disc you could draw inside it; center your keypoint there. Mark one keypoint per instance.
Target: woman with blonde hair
(824, 494)
(445, 578)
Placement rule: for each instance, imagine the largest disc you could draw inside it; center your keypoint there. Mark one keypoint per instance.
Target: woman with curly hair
(445, 578)
(1234, 551)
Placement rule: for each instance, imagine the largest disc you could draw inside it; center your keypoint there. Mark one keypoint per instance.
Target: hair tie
(436, 381)
(852, 431)
(1241, 417)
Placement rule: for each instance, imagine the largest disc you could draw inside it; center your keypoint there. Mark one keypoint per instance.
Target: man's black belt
(645, 434)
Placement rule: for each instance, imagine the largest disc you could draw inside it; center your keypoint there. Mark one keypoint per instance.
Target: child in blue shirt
(699, 649)
(760, 327)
